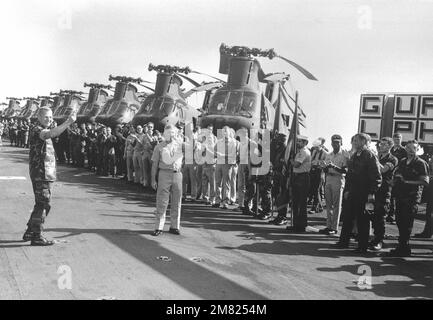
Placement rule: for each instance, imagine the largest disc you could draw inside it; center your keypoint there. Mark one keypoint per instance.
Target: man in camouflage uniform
(42, 165)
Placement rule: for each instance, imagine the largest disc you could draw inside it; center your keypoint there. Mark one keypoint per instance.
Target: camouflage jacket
(42, 159)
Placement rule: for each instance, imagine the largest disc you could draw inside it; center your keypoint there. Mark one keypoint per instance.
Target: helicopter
(97, 99)
(241, 103)
(13, 109)
(124, 105)
(57, 101)
(29, 110)
(167, 104)
(72, 101)
(46, 101)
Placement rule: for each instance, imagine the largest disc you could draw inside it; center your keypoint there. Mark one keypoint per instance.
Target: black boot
(28, 235)
(40, 241)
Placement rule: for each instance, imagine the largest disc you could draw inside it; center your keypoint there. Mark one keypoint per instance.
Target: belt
(299, 173)
(171, 170)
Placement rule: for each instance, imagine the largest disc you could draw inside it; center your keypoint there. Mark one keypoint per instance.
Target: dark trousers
(405, 212)
(428, 228)
(381, 209)
(316, 184)
(42, 191)
(110, 164)
(300, 187)
(280, 194)
(355, 206)
(264, 184)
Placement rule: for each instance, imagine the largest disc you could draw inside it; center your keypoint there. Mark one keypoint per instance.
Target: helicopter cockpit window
(234, 103)
(238, 102)
(147, 106)
(218, 102)
(167, 107)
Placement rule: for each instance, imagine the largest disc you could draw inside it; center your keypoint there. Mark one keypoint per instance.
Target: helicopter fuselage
(165, 106)
(240, 103)
(71, 102)
(90, 109)
(121, 108)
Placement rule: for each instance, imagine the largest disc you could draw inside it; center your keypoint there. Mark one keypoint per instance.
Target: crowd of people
(368, 185)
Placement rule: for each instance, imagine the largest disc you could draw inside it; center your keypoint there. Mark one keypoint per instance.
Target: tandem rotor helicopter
(124, 104)
(240, 103)
(72, 100)
(98, 97)
(29, 110)
(13, 109)
(167, 104)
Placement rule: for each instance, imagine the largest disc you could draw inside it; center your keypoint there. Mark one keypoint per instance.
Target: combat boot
(41, 241)
(28, 235)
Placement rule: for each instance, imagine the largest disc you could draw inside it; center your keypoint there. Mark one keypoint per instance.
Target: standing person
(110, 153)
(280, 178)
(243, 174)
(428, 227)
(199, 174)
(100, 147)
(383, 196)
(318, 155)
(25, 129)
(129, 154)
(119, 149)
(205, 155)
(19, 140)
(259, 188)
(189, 170)
(13, 132)
(138, 155)
(91, 147)
(336, 169)
(363, 181)
(1, 132)
(167, 180)
(410, 177)
(149, 143)
(400, 153)
(227, 149)
(42, 164)
(300, 184)
(234, 175)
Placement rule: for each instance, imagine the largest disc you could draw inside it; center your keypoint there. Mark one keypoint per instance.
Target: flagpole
(295, 148)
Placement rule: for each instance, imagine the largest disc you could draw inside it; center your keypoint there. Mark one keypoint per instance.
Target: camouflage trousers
(264, 184)
(42, 191)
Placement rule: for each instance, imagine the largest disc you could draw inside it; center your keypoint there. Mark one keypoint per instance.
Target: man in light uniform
(138, 155)
(227, 149)
(335, 168)
(167, 179)
(205, 155)
(189, 170)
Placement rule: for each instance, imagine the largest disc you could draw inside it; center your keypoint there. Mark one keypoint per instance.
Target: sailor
(166, 178)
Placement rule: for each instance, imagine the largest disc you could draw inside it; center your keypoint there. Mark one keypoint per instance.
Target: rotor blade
(300, 69)
(294, 100)
(145, 81)
(204, 87)
(276, 77)
(196, 84)
(208, 75)
(151, 89)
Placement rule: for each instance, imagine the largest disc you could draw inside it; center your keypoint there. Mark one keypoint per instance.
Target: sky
(352, 47)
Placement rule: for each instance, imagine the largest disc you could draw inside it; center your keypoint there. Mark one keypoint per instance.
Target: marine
(42, 167)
